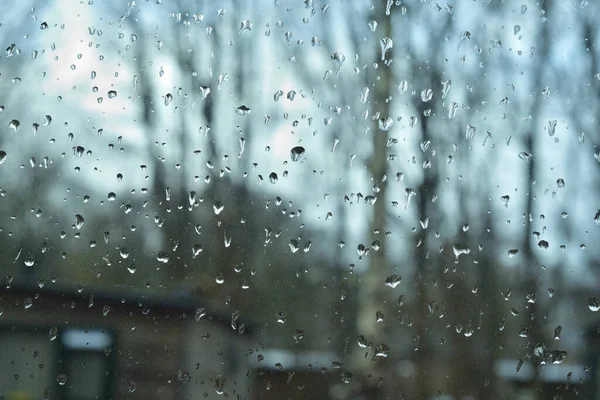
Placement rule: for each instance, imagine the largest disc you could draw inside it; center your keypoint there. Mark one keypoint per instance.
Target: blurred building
(69, 343)
(283, 373)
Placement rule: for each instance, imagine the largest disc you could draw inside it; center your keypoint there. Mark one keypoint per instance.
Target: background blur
(296, 199)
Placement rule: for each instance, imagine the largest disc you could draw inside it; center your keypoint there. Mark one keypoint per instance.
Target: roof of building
(181, 302)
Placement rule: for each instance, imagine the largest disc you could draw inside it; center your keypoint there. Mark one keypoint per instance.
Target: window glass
(299, 199)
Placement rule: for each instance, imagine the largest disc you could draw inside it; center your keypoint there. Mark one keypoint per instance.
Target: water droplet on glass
(204, 92)
(385, 123)
(112, 94)
(14, 125)
(386, 44)
(78, 221)
(294, 245)
(525, 156)
(393, 280)
(273, 178)
(3, 156)
(27, 303)
(373, 25)
(200, 312)
(512, 252)
(168, 99)
(381, 350)
(242, 110)
(297, 153)
(543, 244)
(245, 26)
(557, 332)
(53, 333)
(470, 132)
(219, 385)
(364, 95)
(281, 317)
(594, 304)
(131, 386)
(218, 207)
(61, 379)
(459, 249)
(426, 95)
(162, 257)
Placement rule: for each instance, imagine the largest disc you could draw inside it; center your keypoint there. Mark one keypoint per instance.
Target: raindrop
(53, 333)
(61, 379)
(557, 332)
(273, 178)
(459, 250)
(381, 350)
(364, 95)
(27, 303)
(470, 132)
(393, 280)
(168, 99)
(543, 244)
(200, 312)
(162, 257)
(386, 44)
(245, 26)
(512, 252)
(552, 127)
(218, 207)
(3, 156)
(112, 94)
(14, 125)
(204, 92)
(525, 156)
(385, 123)
(294, 245)
(426, 95)
(78, 221)
(594, 304)
(297, 153)
(281, 317)
(242, 110)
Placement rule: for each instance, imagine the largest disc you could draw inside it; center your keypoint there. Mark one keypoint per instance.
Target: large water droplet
(386, 44)
(393, 280)
(53, 334)
(78, 221)
(14, 125)
(242, 110)
(297, 153)
(294, 245)
(594, 304)
(61, 379)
